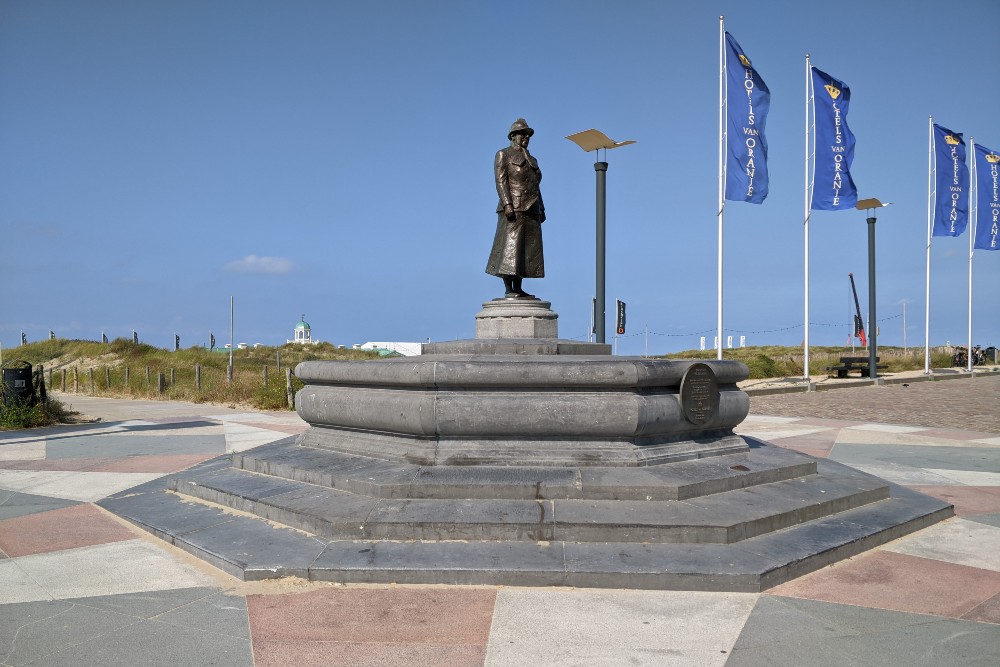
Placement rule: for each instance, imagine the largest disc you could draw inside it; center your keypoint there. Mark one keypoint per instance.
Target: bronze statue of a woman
(517, 246)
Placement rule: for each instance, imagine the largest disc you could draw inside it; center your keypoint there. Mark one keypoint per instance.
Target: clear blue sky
(335, 159)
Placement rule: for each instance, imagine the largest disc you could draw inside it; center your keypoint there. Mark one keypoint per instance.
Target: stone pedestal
(517, 327)
(519, 458)
(516, 318)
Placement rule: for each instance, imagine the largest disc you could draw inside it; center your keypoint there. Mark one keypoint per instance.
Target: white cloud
(255, 264)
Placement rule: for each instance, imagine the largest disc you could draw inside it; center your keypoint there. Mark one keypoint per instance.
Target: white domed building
(303, 333)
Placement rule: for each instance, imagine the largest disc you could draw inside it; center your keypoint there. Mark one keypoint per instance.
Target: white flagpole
(972, 231)
(722, 172)
(931, 195)
(805, 343)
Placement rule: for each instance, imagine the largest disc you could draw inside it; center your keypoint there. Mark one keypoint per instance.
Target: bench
(848, 364)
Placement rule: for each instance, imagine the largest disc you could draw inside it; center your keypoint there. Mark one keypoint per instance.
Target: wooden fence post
(288, 388)
(265, 376)
(161, 381)
(91, 373)
(76, 379)
(147, 376)
(107, 378)
(126, 377)
(197, 377)
(64, 379)
(277, 354)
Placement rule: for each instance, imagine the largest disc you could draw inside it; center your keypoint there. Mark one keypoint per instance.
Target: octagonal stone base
(517, 318)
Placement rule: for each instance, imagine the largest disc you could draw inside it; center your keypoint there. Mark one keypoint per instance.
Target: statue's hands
(508, 212)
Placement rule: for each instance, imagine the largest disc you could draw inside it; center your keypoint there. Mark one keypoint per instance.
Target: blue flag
(747, 102)
(833, 187)
(987, 199)
(951, 213)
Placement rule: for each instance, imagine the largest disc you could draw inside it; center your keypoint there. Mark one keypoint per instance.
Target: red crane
(859, 324)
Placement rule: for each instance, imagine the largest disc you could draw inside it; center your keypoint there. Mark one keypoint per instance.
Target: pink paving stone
(818, 452)
(152, 463)
(365, 654)
(55, 530)
(375, 615)
(987, 612)
(966, 499)
(887, 580)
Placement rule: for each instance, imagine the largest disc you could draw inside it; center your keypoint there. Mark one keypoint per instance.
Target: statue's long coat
(517, 246)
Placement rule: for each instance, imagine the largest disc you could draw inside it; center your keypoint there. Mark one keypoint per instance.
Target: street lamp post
(593, 140)
(870, 205)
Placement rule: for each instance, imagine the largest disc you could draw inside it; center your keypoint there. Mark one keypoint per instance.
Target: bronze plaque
(699, 393)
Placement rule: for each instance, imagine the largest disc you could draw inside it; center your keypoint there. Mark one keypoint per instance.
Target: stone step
(254, 549)
(386, 479)
(720, 518)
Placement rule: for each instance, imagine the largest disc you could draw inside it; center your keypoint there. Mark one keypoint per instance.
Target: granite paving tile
(555, 627)
(15, 617)
(56, 627)
(905, 475)
(133, 445)
(887, 580)
(966, 499)
(787, 632)
(986, 519)
(221, 614)
(66, 528)
(120, 567)
(14, 504)
(362, 654)
(954, 541)
(404, 615)
(84, 486)
(156, 644)
(148, 604)
(977, 459)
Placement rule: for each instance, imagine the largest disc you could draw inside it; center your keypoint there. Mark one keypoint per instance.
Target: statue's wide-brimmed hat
(520, 126)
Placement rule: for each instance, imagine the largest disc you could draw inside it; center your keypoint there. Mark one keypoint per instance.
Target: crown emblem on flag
(951, 139)
(833, 90)
(745, 60)
(993, 158)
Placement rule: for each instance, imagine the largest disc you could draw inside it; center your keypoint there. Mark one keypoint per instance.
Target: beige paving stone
(26, 451)
(968, 477)
(954, 541)
(72, 485)
(555, 627)
(122, 567)
(17, 586)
